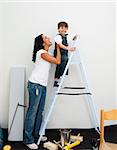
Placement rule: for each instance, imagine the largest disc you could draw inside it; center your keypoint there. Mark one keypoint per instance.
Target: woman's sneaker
(32, 146)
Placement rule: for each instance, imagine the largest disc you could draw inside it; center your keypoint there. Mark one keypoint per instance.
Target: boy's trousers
(61, 67)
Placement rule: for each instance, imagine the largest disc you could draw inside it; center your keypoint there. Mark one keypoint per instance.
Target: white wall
(1, 49)
(96, 24)
(116, 53)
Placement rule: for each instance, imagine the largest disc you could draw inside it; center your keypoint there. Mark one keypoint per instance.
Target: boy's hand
(76, 36)
(71, 48)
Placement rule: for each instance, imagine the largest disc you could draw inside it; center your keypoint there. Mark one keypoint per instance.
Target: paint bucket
(65, 136)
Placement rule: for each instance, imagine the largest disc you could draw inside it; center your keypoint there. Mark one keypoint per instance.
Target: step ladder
(88, 95)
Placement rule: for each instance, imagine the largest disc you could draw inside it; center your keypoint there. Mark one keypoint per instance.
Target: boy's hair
(62, 24)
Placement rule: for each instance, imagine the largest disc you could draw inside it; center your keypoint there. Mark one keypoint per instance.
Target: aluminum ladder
(88, 94)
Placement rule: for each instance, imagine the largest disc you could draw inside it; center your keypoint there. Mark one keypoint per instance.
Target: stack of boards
(16, 113)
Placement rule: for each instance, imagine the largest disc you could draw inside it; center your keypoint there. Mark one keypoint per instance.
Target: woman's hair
(38, 44)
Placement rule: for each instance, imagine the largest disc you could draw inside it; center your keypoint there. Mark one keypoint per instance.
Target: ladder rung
(74, 88)
(74, 93)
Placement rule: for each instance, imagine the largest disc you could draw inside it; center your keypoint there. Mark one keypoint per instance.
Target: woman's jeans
(37, 95)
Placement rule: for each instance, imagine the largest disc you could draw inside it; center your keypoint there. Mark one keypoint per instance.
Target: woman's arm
(51, 59)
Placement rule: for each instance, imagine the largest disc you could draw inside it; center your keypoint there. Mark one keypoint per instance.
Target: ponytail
(38, 44)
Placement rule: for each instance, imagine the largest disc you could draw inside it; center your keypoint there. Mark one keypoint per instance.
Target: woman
(37, 88)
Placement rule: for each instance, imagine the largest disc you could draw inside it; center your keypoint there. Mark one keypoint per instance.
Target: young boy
(62, 41)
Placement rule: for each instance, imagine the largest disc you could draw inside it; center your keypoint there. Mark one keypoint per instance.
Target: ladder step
(74, 88)
(74, 93)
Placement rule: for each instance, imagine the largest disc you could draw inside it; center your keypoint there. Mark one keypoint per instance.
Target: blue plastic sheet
(1, 138)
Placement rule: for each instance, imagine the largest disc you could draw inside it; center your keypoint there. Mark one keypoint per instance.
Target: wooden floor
(90, 138)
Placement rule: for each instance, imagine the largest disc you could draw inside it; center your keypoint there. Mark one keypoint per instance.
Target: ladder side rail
(90, 97)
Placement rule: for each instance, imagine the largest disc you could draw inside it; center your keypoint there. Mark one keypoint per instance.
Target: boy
(62, 41)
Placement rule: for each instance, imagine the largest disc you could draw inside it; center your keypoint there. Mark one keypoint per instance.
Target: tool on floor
(65, 142)
(7, 147)
(74, 138)
(88, 95)
(50, 146)
(58, 143)
(69, 146)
